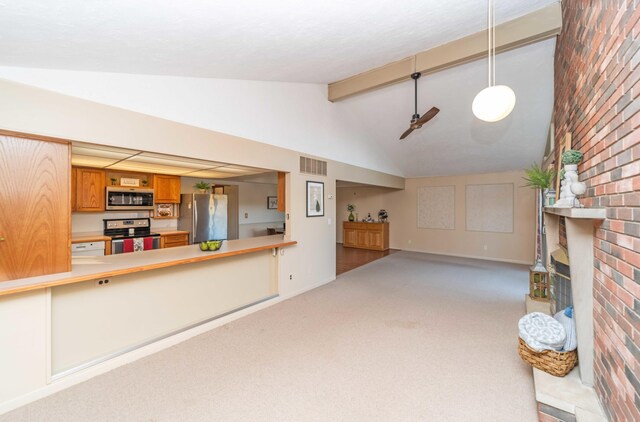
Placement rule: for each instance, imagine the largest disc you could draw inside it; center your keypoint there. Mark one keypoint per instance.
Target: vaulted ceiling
(310, 42)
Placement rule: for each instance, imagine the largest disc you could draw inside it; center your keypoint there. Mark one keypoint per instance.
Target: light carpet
(410, 337)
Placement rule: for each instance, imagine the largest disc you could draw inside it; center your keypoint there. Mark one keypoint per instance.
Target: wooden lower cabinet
(373, 236)
(173, 240)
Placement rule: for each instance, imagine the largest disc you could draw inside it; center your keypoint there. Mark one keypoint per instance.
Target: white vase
(570, 188)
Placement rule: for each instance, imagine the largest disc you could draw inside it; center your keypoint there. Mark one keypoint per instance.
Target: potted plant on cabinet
(202, 186)
(113, 181)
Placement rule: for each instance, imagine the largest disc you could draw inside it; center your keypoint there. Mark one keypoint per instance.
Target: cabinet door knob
(2, 239)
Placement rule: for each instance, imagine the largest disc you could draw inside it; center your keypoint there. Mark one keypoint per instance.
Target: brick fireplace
(597, 100)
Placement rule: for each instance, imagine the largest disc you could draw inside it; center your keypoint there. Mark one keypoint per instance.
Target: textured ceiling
(277, 40)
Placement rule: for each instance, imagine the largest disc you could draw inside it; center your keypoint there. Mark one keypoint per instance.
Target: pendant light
(495, 102)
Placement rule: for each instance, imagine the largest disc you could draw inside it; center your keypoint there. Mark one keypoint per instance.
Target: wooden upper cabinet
(35, 207)
(282, 190)
(167, 189)
(90, 189)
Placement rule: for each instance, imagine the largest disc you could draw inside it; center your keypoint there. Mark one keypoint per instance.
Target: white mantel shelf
(585, 213)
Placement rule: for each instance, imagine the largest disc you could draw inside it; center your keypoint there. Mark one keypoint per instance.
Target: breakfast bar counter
(96, 267)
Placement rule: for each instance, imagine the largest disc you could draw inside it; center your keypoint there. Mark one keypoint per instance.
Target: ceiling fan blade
(406, 133)
(427, 116)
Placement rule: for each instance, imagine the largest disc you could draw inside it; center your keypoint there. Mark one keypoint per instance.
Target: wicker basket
(552, 362)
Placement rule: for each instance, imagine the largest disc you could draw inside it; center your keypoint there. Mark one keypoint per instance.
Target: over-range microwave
(126, 199)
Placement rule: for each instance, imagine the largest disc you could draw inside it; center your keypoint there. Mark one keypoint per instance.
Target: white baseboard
(306, 289)
(484, 258)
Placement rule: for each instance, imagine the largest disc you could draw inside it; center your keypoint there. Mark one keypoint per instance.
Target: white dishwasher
(88, 249)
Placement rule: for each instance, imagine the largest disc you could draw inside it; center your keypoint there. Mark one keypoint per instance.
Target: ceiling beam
(533, 27)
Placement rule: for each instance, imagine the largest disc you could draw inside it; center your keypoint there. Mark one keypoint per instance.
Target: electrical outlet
(246, 215)
(329, 221)
(409, 241)
(290, 276)
(485, 247)
(102, 282)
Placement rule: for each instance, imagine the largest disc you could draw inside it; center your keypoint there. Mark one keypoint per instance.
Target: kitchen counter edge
(95, 267)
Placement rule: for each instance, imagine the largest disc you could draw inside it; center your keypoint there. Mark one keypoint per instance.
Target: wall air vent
(312, 166)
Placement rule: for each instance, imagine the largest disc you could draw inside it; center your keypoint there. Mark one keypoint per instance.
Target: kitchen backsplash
(92, 222)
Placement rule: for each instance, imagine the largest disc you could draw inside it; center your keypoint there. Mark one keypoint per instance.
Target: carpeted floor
(405, 338)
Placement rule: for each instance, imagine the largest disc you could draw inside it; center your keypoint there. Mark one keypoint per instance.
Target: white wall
(309, 264)
(296, 116)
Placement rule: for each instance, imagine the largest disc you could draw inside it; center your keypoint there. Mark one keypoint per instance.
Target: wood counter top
(168, 232)
(99, 236)
(94, 267)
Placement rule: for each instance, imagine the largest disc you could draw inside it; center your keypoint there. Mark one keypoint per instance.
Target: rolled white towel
(565, 317)
(542, 332)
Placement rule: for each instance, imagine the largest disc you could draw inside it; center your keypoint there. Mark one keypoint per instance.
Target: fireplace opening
(559, 270)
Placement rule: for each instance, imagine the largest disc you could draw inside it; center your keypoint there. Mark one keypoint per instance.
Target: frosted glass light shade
(494, 103)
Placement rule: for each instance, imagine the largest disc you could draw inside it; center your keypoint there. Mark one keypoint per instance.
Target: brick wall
(597, 80)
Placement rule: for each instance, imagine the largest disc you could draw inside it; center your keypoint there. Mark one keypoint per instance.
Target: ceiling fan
(416, 120)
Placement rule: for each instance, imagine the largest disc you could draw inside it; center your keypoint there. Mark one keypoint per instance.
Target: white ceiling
(455, 142)
(276, 40)
(290, 41)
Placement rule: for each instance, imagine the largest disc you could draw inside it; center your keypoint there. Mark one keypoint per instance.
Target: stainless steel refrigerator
(204, 216)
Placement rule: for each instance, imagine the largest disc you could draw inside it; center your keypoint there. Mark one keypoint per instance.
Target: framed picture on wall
(272, 202)
(315, 199)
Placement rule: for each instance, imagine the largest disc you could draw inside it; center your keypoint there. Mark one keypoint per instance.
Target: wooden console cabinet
(373, 236)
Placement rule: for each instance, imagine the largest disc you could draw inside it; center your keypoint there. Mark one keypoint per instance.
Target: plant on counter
(538, 178)
(351, 208)
(203, 186)
(571, 157)
(113, 180)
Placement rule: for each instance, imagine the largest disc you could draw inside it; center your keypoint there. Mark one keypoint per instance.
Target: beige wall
(513, 247)
(404, 234)
(367, 199)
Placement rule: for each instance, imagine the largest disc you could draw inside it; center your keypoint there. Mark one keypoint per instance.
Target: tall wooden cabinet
(373, 236)
(90, 189)
(35, 207)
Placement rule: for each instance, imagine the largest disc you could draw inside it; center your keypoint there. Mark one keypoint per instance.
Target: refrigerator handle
(195, 219)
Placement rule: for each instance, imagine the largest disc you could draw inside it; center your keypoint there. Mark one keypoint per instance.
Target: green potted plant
(571, 157)
(538, 178)
(113, 180)
(202, 186)
(351, 208)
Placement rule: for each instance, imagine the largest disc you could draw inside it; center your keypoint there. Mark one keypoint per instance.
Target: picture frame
(315, 199)
(272, 202)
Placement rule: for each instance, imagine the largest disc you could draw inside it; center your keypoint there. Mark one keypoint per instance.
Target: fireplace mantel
(580, 223)
(583, 213)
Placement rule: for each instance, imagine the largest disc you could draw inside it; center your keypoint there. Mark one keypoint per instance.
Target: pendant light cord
(491, 43)
(415, 95)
